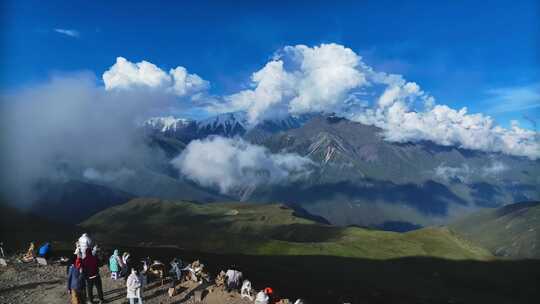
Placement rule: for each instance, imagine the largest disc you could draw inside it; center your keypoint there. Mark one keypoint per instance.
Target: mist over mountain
(511, 231)
(358, 178)
(316, 127)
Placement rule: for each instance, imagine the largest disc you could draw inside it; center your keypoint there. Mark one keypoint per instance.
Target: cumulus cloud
(446, 126)
(231, 163)
(67, 32)
(333, 78)
(298, 80)
(326, 73)
(128, 75)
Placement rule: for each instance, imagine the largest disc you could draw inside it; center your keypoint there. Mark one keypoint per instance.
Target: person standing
(176, 273)
(91, 276)
(115, 264)
(128, 265)
(85, 242)
(133, 286)
(75, 281)
(233, 279)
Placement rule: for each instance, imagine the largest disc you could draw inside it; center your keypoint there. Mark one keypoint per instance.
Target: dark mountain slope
(19, 227)
(73, 201)
(362, 179)
(510, 231)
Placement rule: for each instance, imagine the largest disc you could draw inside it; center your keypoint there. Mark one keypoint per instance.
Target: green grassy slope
(511, 231)
(263, 229)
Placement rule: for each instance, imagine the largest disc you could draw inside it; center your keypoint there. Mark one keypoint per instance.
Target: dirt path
(30, 283)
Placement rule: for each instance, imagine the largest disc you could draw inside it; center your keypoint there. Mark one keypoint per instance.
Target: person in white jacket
(84, 242)
(133, 285)
(262, 298)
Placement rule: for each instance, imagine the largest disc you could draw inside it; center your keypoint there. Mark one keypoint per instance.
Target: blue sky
(465, 53)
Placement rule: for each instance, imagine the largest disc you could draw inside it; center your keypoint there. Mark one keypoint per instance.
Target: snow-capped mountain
(167, 123)
(226, 124)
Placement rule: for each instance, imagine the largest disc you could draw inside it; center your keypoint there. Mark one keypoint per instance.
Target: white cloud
(513, 99)
(326, 73)
(495, 169)
(447, 173)
(317, 79)
(466, 174)
(231, 163)
(448, 127)
(333, 78)
(68, 124)
(272, 85)
(128, 75)
(67, 32)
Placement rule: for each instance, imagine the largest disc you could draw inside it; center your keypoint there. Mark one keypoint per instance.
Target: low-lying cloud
(56, 131)
(107, 176)
(232, 163)
(466, 174)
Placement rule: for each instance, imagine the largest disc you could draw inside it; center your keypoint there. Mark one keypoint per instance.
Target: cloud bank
(58, 130)
(72, 124)
(231, 163)
(466, 174)
(333, 78)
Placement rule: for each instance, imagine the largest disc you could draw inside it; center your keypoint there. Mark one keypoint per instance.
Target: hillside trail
(32, 283)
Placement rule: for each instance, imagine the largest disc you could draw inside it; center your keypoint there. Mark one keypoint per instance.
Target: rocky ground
(31, 283)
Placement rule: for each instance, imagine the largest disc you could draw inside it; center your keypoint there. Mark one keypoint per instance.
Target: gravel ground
(22, 283)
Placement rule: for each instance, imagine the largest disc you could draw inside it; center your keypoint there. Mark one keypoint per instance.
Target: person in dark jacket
(129, 264)
(75, 281)
(91, 276)
(175, 272)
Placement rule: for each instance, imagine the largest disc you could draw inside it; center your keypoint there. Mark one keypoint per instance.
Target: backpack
(44, 250)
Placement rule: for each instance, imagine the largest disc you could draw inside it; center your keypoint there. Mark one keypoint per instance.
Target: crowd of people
(83, 275)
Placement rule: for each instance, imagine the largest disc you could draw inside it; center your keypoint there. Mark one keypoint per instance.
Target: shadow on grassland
(324, 279)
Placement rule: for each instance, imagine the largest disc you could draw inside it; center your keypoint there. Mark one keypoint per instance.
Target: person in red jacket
(91, 276)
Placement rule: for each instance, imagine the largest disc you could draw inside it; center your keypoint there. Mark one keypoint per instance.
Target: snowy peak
(227, 124)
(225, 119)
(167, 123)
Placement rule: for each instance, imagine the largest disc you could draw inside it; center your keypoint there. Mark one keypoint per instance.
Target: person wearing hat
(263, 297)
(75, 281)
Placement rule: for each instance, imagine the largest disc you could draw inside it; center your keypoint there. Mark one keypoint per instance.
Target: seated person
(30, 253)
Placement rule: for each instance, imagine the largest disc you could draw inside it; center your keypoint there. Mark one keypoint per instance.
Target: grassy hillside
(511, 231)
(265, 230)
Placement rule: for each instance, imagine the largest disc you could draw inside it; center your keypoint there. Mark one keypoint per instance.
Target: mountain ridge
(264, 229)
